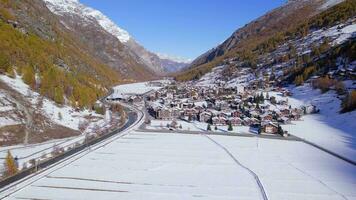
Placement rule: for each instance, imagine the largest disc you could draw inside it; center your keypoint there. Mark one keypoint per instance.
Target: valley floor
(179, 166)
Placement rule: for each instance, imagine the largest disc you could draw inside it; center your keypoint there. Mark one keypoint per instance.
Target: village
(220, 108)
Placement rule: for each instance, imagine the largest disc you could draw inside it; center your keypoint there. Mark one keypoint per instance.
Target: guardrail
(132, 117)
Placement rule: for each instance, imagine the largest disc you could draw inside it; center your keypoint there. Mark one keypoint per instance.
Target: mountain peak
(74, 7)
(177, 59)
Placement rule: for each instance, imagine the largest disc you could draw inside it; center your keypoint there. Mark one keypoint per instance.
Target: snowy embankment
(329, 129)
(69, 116)
(179, 166)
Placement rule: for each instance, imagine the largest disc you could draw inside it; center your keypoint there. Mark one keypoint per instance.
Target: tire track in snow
(314, 178)
(258, 182)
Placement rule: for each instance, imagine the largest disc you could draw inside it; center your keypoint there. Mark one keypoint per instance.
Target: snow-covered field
(133, 88)
(178, 166)
(194, 126)
(329, 129)
(293, 170)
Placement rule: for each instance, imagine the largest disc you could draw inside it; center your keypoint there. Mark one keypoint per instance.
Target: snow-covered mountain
(173, 63)
(63, 7)
(73, 10)
(174, 58)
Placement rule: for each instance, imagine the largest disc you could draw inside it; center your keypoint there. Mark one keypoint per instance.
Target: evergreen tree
(349, 102)
(208, 128)
(28, 76)
(280, 130)
(340, 88)
(262, 98)
(10, 72)
(4, 63)
(58, 95)
(299, 80)
(230, 128)
(10, 165)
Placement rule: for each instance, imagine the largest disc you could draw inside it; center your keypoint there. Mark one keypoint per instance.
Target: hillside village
(225, 106)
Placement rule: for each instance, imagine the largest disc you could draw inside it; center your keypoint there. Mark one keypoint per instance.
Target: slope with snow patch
(69, 116)
(329, 128)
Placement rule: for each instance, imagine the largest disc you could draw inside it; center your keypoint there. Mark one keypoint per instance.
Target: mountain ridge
(85, 16)
(257, 31)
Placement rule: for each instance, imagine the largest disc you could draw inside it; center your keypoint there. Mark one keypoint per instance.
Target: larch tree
(10, 165)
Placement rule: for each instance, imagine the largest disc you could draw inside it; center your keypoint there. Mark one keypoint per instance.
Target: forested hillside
(251, 46)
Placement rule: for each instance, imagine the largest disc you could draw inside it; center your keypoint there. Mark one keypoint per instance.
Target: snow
(346, 33)
(70, 117)
(209, 79)
(5, 121)
(196, 126)
(6, 106)
(330, 3)
(179, 166)
(74, 7)
(109, 25)
(132, 89)
(349, 29)
(329, 128)
(337, 35)
(293, 170)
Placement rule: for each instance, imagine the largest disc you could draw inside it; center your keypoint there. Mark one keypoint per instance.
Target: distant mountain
(78, 17)
(173, 63)
(281, 19)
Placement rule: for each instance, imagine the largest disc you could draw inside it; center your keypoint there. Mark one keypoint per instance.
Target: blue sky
(185, 28)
